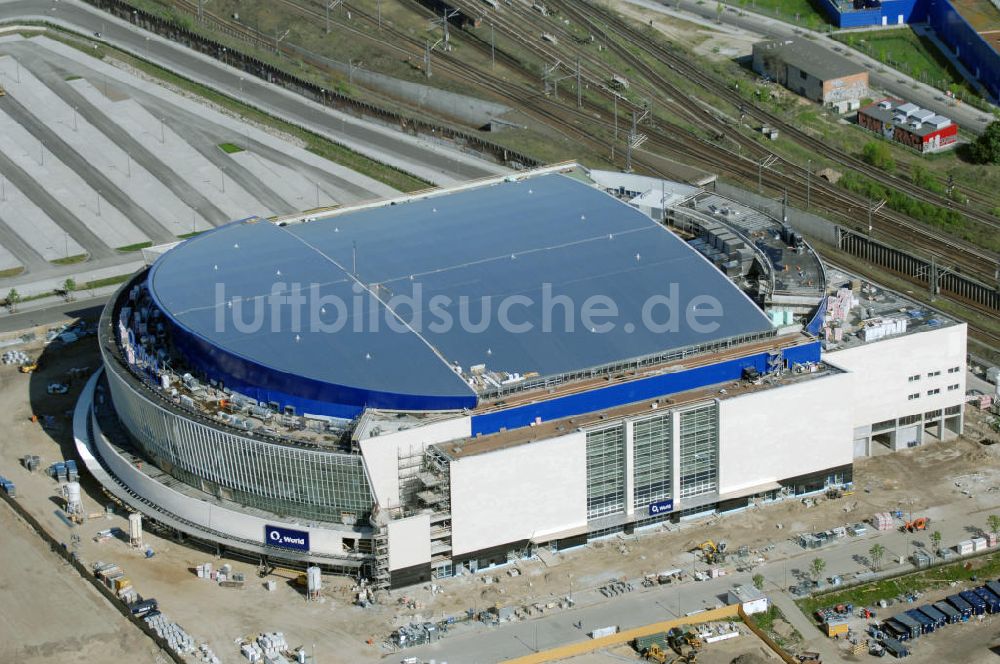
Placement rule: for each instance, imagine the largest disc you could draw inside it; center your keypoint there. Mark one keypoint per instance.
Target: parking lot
(98, 161)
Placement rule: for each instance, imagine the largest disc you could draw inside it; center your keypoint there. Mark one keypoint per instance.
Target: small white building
(752, 600)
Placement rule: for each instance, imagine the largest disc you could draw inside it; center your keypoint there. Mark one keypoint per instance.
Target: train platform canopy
(538, 246)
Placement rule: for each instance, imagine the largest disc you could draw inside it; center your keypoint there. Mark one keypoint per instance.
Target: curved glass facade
(282, 479)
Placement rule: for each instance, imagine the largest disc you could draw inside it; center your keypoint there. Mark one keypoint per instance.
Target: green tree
(993, 520)
(986, 148)
(936, 540)
(758, 581)
(69, 286)
(878, 154)
(816, 567)
(877, 552)
(13, 298)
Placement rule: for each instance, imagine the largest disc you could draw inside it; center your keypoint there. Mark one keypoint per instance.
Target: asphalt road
(435, 162)
(788, 563)
(48, 313)
(892, 81)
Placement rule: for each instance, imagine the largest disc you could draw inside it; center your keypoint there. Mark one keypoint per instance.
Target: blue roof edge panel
(306, 395)
(637, 390)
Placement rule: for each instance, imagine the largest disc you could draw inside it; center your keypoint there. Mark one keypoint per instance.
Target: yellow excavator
(658, 654)
(714, 553)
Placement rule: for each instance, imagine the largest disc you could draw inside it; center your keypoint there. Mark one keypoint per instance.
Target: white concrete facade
(409, 541)
(536, 491)
(197, 517)
(784, 432)
(381, 453)
(900, 378)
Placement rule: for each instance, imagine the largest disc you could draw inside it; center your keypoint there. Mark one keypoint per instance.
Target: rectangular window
(952, 388)
(885, 424)
(954, 370)
(653, 462)
(909, 419)
(932, 414)
(699, 448)
(952, 410)
(915, 378)
(606, 471)
(936, 390)
(915, 395)
(931, 374)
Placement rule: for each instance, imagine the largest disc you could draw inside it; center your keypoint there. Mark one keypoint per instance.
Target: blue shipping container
(953, 614)
(992, 601)
(926, 624)
(978, 605)
(960, 605)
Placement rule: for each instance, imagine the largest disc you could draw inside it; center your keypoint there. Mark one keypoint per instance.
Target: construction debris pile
(224, 576)
(269, 649)
(416, 634)
(17, 357)
(175, 636)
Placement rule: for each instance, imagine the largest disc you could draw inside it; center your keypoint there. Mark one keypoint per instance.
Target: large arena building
(454, 379)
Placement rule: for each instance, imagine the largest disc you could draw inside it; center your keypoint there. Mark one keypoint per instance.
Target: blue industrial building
(979, 55)
(975, 51)
(860, 13)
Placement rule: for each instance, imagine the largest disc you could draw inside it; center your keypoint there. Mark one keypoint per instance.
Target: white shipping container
(601, 632)
(963, 547)
(978, 543)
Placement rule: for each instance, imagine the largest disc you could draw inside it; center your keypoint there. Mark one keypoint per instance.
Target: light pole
(98, 202)
(809, 170)
(161, 132)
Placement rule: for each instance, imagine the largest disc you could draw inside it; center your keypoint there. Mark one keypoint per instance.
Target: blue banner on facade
(286, 538)
(661, 507)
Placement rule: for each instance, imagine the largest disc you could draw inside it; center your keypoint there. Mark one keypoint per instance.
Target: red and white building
(907, 123)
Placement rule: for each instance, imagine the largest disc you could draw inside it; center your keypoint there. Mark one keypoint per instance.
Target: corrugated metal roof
(478, 246)
(811, 58)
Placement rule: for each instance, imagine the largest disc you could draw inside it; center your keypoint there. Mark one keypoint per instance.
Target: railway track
(579, 124)
(622, 30)
(519, 20)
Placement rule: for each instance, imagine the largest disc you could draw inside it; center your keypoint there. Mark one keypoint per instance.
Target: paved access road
(434, 162)
(788, 562)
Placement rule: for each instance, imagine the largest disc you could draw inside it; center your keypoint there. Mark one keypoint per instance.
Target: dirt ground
(220, 616)
(724, 43)
(50, 615)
